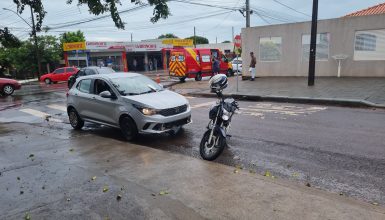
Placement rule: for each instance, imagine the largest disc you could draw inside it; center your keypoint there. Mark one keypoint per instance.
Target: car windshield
(135, 85)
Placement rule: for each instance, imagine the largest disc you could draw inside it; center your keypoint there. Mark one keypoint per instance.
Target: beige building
(283, 50)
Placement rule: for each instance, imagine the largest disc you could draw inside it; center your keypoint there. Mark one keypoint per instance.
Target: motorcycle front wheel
(210, 151)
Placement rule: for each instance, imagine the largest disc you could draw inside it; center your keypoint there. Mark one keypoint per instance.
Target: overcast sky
(211, 22)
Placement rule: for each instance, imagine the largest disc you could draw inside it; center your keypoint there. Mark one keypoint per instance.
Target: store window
(369, 45)
(270, 49)
(322, 48)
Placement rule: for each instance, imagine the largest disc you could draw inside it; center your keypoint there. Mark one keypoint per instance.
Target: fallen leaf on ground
(238, 166)
(118, 197)
(31, 155)
(308, 185)
(267, 173)
(71, 150)
(252, 171)
(27, 216)
(375, 203)
(163, 192)
(93, 178)
(295, 174)
(18, 178)
(105, 188)
(68, 199)
(341, 194)
(153, 194)
(21, 192)
(236, 171)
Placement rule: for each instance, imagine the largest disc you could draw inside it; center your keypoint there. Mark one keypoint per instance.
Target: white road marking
(203, 104)
(58, 107)
(40, 114)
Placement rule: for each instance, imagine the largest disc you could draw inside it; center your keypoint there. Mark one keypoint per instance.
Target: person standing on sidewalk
(252, 66)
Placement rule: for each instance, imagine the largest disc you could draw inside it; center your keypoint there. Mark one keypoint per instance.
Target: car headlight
(146, 111)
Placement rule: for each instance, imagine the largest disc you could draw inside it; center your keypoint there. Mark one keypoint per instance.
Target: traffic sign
(237, 41)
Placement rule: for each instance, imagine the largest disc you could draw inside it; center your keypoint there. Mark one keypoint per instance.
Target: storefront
(120, 56)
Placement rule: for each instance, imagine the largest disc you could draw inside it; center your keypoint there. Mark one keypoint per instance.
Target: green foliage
(168, 35)
(7, 39)
(226, 41)
(69, 37)
(22, 58)
(96, 7)
(199, 40)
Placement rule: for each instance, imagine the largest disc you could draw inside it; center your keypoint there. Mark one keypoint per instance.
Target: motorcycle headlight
(225, 117)
(146, 111)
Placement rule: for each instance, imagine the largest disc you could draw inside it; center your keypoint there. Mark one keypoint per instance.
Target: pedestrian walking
(252, 66)
(134, 64)
(150, 64)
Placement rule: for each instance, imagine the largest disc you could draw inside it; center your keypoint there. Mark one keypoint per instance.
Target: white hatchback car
(234, 62)
(129, 101)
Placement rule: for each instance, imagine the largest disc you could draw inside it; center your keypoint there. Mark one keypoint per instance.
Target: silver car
(129, 101)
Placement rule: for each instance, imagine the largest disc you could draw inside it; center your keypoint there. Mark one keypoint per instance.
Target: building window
(366, 42)
(322, 48)
(270, 49)
(369, 45)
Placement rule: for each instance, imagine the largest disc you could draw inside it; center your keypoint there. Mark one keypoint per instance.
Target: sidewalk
(327, 90)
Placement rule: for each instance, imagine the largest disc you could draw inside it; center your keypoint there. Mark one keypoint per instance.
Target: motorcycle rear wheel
(210, 151)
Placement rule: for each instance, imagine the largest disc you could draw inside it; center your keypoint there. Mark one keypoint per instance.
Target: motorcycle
(214, 139)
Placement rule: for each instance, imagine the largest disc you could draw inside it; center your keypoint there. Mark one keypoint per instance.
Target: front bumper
(157, 124)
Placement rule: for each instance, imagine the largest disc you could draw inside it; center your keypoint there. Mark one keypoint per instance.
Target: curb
(303, 100)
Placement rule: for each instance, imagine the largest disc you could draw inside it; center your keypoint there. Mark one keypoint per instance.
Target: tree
(199, 40)
(96, 7)
(169, 35)
(69, 37)
(7, 42)
(226, 41)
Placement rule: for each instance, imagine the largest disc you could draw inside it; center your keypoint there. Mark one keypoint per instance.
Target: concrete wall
(342, 36)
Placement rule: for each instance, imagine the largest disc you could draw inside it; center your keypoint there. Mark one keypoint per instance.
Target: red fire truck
(196, 63)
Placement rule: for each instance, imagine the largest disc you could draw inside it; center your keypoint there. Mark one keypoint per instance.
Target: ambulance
(196, 63)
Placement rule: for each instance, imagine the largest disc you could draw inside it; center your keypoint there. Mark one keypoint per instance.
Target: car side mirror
(107, 95)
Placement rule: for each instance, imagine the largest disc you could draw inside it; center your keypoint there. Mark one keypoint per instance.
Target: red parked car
(60, 74)
(8, 86)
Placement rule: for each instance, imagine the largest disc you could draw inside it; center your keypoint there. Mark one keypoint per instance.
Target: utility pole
(232, 34)
(247, 13)
(131, 37)
(195, 45)
(36, 45)
(313, 44)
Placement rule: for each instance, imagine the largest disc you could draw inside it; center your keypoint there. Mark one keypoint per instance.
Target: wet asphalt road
(333, 148)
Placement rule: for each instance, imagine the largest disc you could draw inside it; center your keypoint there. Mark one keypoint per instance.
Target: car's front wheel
(47, 81)
(76, 122)
(128, 127)
(8, 90)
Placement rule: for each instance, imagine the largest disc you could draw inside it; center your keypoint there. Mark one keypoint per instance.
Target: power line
(293, 9)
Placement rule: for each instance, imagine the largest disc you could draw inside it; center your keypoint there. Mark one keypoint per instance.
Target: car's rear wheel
(47, 81)
(182, 79)
(8, 90)
(76, 122)
(128, 127)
